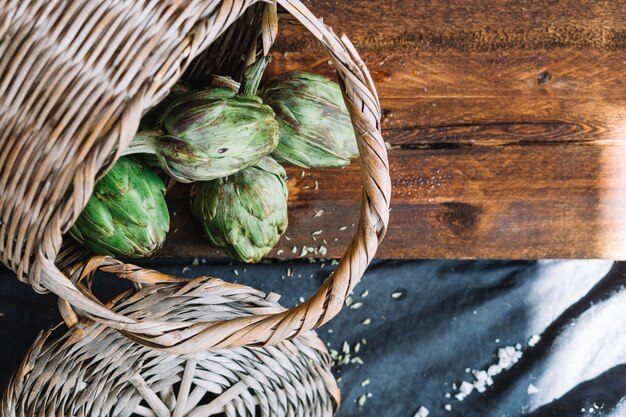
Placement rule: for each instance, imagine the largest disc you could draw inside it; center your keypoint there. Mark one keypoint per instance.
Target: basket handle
(186, 338)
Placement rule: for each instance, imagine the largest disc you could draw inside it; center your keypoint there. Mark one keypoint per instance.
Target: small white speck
(448, 395)
(365, 294)
(317, 232)
(366, 322)
(279, 252)
(397, 295)
(468, 370)
(447, 407)
(356, 305)
(422, 412)
(365, 382)
(497, 340)
(319, 213)
(534, 339)
(342, 228)
(301, 299)
(518, 346)
(235, 272)
(294, 250)
(362, 400)
(532, 389)
(322, 250)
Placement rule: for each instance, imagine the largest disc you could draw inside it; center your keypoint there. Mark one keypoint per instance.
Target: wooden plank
(481, 202)
(507, 123)
(478, 25)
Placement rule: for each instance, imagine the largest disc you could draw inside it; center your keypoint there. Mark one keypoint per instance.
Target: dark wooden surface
(506, 123)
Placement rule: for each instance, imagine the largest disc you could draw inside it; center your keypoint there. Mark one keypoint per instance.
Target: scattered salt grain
(356, 305)
(279, 252)
(365, 294)
(323, 251)
(397, 295)
(301, 299)
(422, 412)
(319, 213)
(464, 390)
(342, 228)
(365, 382)
(497, 340)
(534, 339)
(195, 262)
(447, 407)
(366, 322)
(294, 250)
(303, 252)
(532, 389)
(362, 400)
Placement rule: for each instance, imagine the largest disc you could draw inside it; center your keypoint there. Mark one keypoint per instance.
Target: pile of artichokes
(226, 141)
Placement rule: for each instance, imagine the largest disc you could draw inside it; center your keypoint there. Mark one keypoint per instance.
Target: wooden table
(506, 126)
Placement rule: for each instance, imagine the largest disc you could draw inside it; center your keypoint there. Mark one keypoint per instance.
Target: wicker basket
(75, 79)
(93, 370)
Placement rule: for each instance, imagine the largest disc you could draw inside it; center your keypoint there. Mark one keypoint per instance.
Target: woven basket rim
(363, 104)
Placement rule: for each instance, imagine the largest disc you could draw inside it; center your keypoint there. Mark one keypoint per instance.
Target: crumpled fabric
(446, 338)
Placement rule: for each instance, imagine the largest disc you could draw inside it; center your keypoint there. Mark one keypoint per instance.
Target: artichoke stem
(144, 142)
(252, 76)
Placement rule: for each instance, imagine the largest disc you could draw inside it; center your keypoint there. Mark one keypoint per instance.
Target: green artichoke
(153, 118)
(315, 126)
(126, 215)
(211, 133)
(245, 213)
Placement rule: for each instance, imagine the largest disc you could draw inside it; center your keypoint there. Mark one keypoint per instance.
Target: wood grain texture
(507, 123)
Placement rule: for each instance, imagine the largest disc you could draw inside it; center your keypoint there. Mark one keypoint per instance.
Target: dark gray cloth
(432, 325)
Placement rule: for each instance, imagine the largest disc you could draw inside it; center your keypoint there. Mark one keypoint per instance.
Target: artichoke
(315, 126)
(126, 215)
(245, 213)
(212, 133)
(153, 118)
